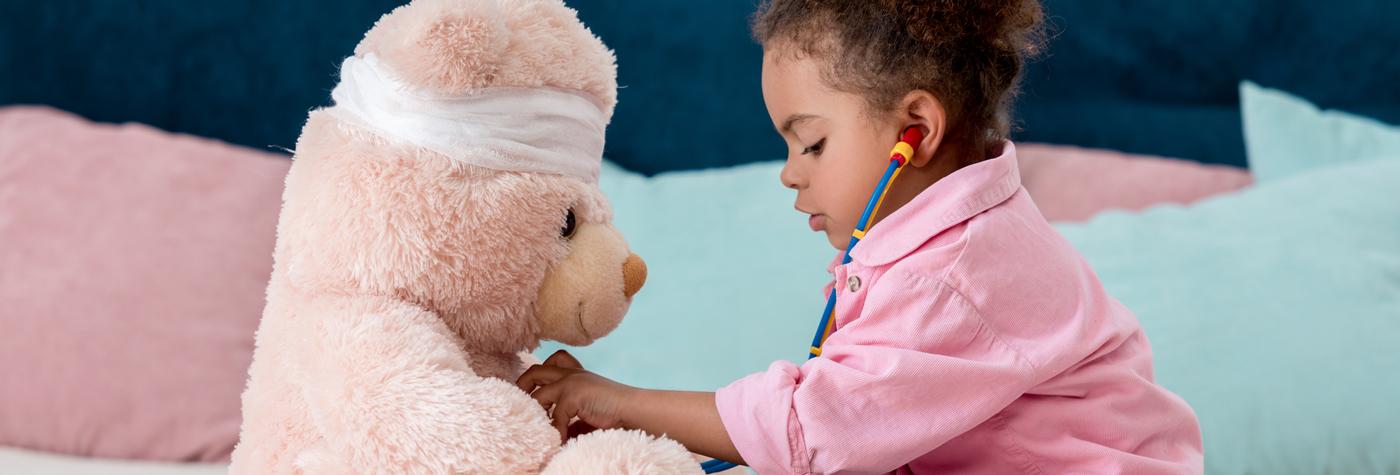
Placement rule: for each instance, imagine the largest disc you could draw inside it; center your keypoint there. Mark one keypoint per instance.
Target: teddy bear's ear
(443, 46)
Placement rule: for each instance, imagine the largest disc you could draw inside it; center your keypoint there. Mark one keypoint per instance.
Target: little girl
(969, 336)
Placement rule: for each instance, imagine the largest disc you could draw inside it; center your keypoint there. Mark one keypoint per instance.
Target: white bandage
(502, 128)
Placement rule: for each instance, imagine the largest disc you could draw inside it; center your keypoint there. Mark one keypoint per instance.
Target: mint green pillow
(1285, 134)
(1273, 311)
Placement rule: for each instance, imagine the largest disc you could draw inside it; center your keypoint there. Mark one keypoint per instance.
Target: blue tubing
(846, 259)
(716, 466)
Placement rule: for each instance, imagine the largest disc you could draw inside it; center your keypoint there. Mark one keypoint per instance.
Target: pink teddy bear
(438, 221)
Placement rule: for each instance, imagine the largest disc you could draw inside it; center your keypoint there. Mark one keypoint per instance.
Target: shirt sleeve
(916, 369)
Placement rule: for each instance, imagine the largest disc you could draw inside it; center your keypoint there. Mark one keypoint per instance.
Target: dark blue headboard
(1150, 77)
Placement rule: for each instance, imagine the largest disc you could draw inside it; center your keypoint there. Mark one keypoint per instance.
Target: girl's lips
(817, 222)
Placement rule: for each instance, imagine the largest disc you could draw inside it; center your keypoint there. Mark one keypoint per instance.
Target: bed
(1250, 228)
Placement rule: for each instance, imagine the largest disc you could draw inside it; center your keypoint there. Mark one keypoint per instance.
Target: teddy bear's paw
(622, 452)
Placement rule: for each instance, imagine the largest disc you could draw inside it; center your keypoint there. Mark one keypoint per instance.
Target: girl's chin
(837, 241)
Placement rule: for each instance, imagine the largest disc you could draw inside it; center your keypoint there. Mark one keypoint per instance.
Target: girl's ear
(922, 109)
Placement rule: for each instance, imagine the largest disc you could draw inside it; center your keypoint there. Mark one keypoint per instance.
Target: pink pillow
(132, 273)
(1073, 184)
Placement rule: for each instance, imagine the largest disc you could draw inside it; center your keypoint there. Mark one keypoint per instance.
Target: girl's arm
(690, 418)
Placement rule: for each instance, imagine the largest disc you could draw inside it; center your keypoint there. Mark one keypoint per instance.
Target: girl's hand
(566, 390)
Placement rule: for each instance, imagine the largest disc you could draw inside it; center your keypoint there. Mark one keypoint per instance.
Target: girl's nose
(789, 176)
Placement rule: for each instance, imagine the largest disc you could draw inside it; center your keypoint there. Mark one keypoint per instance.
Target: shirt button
(853, 283)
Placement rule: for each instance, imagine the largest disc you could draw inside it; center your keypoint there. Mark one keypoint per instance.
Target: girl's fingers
(539, 375)
(563, 359)
(564, 412)
(547, 396)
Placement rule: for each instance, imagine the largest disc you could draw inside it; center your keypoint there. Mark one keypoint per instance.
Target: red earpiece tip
(913, 136)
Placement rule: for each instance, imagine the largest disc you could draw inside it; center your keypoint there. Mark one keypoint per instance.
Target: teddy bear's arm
(390, 390)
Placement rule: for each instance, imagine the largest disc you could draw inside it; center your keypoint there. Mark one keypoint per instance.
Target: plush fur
(407, 284)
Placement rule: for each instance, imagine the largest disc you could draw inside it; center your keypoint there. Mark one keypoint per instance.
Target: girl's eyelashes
(815, 148)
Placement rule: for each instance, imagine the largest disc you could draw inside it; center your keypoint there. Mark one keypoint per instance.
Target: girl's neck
(914, 180)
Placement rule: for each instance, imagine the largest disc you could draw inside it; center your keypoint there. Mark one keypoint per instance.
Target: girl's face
(836, 152)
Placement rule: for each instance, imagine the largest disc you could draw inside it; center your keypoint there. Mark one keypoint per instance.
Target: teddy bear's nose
(634, 274)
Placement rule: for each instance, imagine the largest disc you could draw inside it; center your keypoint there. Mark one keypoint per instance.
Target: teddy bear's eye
(570, 225)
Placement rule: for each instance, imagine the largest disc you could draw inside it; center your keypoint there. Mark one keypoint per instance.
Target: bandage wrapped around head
(525, 129)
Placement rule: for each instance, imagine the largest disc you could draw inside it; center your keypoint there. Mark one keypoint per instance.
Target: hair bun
(1006, 25)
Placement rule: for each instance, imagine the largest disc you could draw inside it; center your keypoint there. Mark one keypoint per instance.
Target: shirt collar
(948, 202)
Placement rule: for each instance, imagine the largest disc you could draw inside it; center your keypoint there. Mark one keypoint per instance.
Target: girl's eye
(570, 225)
(815, 148)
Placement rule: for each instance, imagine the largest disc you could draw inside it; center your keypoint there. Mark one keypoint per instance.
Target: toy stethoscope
(899, 156)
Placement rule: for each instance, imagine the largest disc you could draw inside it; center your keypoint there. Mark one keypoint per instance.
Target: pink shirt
(970, 338)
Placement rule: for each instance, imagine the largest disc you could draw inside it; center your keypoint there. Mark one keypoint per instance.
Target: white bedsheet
(14, 461)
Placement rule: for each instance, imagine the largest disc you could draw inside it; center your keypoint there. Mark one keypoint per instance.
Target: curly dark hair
(968, 53)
